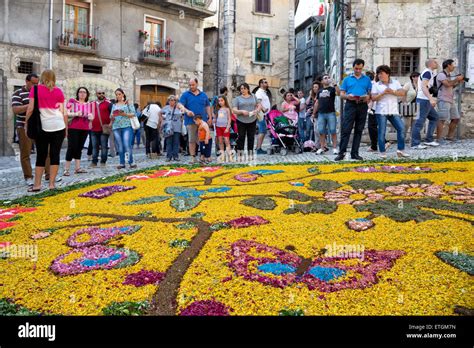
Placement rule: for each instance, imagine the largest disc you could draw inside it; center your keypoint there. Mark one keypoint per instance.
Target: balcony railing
(77, 37)
(201, 3)
(159, 54)
(200, 8)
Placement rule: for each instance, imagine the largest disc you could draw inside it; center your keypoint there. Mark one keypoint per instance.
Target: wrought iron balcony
(199, 8)
(78, 37)
(159, 53)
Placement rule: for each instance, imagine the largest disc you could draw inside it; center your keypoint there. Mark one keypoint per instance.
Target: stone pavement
(13, 186)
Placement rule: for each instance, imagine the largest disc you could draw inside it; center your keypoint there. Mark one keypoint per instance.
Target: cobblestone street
(13, 186)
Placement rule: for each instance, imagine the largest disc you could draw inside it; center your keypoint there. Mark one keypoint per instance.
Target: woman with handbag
(124, 121)
(46, 123)
(101, 129)
(172, 124)
(80, 110)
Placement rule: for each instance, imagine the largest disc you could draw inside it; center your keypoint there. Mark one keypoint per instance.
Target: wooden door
(154, 94)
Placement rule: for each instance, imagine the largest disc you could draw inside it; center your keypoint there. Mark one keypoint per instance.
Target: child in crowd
(223, 124)
(205, 140)
(290, 107)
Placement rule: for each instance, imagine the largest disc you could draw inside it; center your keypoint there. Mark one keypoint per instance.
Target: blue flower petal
(326, 273)
(276, 268)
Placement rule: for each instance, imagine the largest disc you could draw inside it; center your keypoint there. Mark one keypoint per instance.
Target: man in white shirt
(426, 106)
(152, 127)
(265, 102)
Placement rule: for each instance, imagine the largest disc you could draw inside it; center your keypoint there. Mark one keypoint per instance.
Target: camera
(465, 79)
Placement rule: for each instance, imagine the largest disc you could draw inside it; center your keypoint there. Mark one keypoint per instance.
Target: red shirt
(104, 115)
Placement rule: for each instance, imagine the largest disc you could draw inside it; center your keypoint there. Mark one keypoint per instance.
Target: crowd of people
(188, 124)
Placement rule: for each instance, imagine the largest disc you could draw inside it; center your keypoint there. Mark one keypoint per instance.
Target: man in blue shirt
(355, 90)
(195, 102)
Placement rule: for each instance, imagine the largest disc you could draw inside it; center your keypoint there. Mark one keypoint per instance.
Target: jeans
(99, 139)
(136, 137)
(123, 139)
(172, 145)
(327, 122)
(425, 111)
(302, 129)
(355, 115)
(397, 122)
(205, 149)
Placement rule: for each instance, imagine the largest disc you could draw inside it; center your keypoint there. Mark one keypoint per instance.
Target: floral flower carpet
(267, 240)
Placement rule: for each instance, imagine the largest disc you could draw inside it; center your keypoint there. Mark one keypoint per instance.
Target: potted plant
(143, 35)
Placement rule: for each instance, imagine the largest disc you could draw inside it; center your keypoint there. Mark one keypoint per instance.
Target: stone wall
(237, 56)
(211, 38)
(119, 51)
(433, 26)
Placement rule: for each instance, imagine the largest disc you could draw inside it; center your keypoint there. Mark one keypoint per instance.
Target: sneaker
(419, 147)
(335, 151)
(261, 152)
(320, 152)
(433, 143)
(29, 182)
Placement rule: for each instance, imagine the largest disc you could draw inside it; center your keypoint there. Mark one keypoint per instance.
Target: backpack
(435, 88)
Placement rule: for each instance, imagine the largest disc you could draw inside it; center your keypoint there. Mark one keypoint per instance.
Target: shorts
(262, 126)
(447, 111)
(205, 149)
(220, 132)
(192, 130)
(326, 121)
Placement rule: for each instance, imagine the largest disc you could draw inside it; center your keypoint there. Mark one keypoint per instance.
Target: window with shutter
(262, 6)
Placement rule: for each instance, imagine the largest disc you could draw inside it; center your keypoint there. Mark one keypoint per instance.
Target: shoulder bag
(34, 126)
(105, 127)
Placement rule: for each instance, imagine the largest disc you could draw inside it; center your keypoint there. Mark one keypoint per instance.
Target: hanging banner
(470, 66)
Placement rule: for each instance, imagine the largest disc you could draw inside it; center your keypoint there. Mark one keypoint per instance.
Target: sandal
(66, 172)
(32, 189)
(80, 171)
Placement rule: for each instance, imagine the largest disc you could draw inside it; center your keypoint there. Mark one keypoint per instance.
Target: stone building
(309, 52)
(256, 40)
(402, 34)
(97, 43)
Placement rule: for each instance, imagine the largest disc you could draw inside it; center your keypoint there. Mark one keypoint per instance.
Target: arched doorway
(154, 93)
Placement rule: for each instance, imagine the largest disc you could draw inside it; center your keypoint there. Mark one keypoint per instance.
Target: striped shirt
(21, 97)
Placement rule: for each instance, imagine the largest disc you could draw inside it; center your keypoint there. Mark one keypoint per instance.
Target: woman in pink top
(81, 111)
(288, 107)
(53, 124)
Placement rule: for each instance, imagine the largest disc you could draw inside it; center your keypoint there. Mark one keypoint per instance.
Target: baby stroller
(232, 138)
(283, 134)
